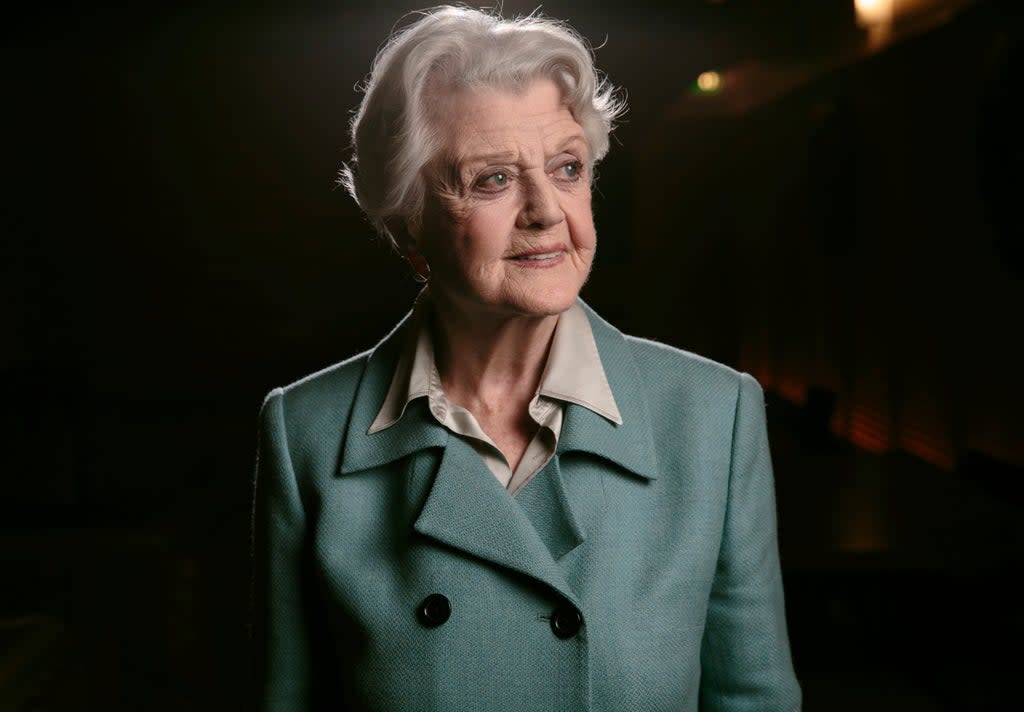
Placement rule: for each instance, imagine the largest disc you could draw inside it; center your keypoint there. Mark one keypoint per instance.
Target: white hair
(459, 48)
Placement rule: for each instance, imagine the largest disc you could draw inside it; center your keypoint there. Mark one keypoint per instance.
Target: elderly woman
(507, 504)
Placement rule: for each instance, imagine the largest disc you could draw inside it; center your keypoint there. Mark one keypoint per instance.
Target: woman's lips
(540, 256)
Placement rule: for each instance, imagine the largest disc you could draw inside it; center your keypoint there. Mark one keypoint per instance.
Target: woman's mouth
(539, 256)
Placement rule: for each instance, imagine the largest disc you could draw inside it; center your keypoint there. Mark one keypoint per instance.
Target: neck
(489, 362)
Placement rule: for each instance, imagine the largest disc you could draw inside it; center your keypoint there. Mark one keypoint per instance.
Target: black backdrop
(175, 245)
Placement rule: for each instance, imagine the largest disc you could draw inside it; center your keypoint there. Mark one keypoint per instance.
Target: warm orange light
(873, 12)
(865, 430)
(875, 16)
(928, 448)
(792, 390)
(709, 81)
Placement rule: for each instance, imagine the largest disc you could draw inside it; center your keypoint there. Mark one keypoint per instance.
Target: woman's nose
(541, 208)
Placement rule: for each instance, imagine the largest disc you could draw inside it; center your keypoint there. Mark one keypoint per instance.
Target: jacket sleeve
(281, 612)
(745, 659)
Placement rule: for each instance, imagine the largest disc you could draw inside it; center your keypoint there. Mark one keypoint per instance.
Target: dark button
(434, 610)
(566, 622)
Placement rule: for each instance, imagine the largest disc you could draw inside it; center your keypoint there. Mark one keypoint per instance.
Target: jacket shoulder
(669, 366)
(674, 380)
(674, 377)
(693, 398)
(316, 408)
(328, 382)
(327, 392)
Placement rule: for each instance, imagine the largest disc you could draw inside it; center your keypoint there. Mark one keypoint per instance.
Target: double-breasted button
(434, 610)
(566, 621)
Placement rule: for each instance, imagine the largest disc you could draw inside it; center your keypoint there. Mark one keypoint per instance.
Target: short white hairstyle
(460, 48)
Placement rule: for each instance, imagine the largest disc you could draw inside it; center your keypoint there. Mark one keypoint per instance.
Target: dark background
(841, 219)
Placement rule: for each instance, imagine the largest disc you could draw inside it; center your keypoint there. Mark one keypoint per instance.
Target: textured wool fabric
(659, 531)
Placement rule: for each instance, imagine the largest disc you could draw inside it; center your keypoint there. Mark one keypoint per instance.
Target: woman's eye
(494, 181)
(571, 171)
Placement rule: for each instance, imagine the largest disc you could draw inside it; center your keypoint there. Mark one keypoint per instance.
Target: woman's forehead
(494, 121)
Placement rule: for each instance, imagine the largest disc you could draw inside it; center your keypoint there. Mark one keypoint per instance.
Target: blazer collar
(416, 430)
(573, 372)
(629, 444)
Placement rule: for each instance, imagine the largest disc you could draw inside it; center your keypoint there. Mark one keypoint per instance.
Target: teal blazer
(638, 571)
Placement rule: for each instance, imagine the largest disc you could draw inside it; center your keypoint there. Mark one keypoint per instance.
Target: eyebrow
(572, 141)
(485, 159)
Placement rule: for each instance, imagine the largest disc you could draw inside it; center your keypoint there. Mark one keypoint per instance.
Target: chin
(546, 303)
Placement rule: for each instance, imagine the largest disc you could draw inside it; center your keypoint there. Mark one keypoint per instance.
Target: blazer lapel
(469, 510)
(466, 507)
(555, 518)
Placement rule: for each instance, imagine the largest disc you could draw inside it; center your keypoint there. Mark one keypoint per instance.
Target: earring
(423, 276)
(419, 264)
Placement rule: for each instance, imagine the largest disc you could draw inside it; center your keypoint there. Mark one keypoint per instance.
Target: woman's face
(507, 227)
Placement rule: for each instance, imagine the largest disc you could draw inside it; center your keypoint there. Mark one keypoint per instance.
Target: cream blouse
(573, 374)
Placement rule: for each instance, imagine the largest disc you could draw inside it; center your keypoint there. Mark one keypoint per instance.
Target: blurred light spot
(709, 81)
(792, 390)
(936, 450)
(876, 17)
(867, 429)
(873, 12)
